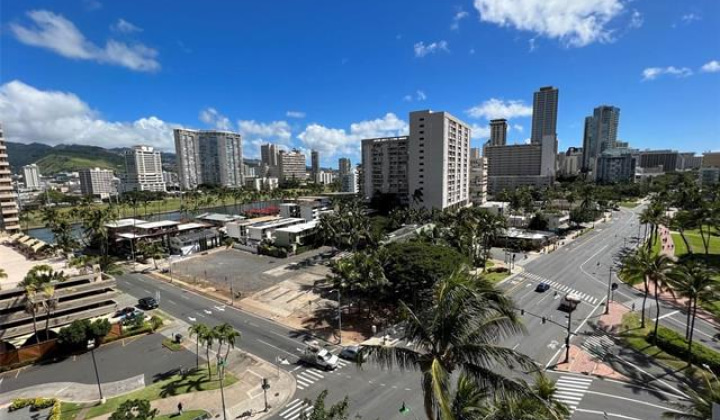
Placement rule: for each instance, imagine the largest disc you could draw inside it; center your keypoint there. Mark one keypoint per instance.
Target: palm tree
(683, 220)
(208, 338)
(31, 304)
(694, 281)
(152, 250)
(650, 267)
(198, 330)
(700, 404)
(49, 304)
(457, 333)
(226, 334)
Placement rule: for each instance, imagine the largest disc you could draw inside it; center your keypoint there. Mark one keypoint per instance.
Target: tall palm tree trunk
(207, 354)
(692, 330)
(657, 311)
(645, 296)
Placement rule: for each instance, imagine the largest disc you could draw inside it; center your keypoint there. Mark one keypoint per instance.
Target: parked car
(132, 316)
(124, 312)
(542, 287)
(351, 353)
(148, 303)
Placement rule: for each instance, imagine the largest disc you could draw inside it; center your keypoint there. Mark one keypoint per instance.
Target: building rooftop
(299, 227)
(191, 225)
(276, 223)
(219, 217)
(255, 220)
(158, 224)
(124, 223)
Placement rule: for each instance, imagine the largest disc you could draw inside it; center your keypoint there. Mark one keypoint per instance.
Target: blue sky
(325, 74)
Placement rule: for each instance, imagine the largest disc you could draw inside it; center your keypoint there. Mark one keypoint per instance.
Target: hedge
(676, 345)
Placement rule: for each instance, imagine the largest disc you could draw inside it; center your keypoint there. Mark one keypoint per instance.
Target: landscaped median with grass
(628, 204)
(712, 259)
(671, 350)
(194, 381)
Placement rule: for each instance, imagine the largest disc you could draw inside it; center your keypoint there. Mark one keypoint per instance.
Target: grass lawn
(497, 277)
(695, 240)
(187, 415)
(172, 345)
(174, 385)
(635, 337)
(628, 204)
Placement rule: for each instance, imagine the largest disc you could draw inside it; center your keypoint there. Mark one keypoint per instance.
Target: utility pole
(265, 387)
(91, 346)
(339, 318)
(567, 339)
(221, 372)
(607, 302)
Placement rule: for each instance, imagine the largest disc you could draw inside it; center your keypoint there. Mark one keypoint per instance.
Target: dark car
(125, 312)
(351, 353)
(542, 287)
(148, 303)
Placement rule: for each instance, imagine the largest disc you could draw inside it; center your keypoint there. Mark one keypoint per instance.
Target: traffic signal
(544, 320)
(404, 409)
(522, 311)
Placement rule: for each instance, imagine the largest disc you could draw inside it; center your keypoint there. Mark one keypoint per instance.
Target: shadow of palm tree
(162, 376)
(170, 389)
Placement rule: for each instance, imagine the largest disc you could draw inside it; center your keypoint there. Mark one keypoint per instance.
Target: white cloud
(480, 132)
(419, 96)
(518, 127)
(421, 50)
(408, 98)
(54, 117)
(574, 22)
(497, 108)
(636, 19)
(711, 67)
(213, 118)
(652, 73)
(125, 27)
(335, 142)
(295, 114)
(690, 17)
(54, 32)
(455, 25)
(272, 131)
(531, 43)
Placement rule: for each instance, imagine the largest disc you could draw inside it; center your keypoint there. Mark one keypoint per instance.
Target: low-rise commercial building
(239, 230)
(296, 235)
(265, 231)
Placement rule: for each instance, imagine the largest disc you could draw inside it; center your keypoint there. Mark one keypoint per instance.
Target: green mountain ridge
(70, 157)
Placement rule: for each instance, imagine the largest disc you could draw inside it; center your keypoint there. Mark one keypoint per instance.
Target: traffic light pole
(607, 302)
(567, 339)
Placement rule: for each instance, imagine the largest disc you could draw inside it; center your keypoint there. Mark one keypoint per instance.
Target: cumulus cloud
(419, 96)
(497, 108)
(213, 118)
(295, 114)
(421, 50)
(340, 142)
(53, 32)
(711, 67)
(652, 73)
(54, 117)
(124, 27)
(278, 131)
(460, 15)
(690, 17)
(636, 19)
(576, 23)
(518, 127)
(480, 132)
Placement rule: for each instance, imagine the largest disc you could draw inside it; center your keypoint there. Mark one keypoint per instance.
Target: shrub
(676, 345)
(40, 403)
(34, 403)
(155, 322)
(19, 403)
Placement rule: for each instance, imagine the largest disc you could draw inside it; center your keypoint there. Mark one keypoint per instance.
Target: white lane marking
(666, 315)
(192, 319)
(602, 413)
(629, 399)
(310, 372)
(293, 404)
(275, 347)
(207, 312)
(172, 302)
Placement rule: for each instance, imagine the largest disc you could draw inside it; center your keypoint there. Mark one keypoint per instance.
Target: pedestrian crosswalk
(293, 410)
(598, 344)
(306, 377)
(571, 389)
(560, 287)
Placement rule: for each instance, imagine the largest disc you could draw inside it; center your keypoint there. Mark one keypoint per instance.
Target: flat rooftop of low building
(158, 224)
(490, 204)
(301, 227)
(219, 217)
(124, 223)
(528, 234)
(192, 225)
(277, 223)
(256, 220)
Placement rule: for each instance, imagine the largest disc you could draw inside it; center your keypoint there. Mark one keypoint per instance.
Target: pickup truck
(320, 357)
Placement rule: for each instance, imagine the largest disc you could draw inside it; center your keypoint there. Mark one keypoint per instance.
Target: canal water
(44, 234)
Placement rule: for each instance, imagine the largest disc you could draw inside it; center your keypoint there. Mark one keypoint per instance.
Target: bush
(19, 403)
(156, 322)
(33, 403)
(676, 345)
(272, 251)
(76, 335)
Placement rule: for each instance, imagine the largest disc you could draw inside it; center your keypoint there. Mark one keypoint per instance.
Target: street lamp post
(339, 318)
(567, 339)
(265, 387)
(91, 346)
(607, 302)
(221, 373)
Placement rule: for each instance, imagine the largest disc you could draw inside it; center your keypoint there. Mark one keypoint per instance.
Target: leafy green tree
(134, 410)
(539, 222)
(74, 336)
(226, 336)
(648, 267)
(458, 332)
(153, 250)
(319, 411)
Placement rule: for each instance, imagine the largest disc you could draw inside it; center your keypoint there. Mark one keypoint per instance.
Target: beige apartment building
(97, 182)
(478, 177)
(438, 161)
(143, 168)
(9, 212)
(520, 164)
(385, 167)
(292, 165)
(208, 157)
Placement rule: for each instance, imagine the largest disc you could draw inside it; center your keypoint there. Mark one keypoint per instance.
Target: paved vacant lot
(248, 272)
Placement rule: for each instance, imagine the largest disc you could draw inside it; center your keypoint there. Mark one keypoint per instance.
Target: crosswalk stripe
(292, 405)
(315, 374)
(570, 379)
(294, 411)
(304, 383)
(307, 409)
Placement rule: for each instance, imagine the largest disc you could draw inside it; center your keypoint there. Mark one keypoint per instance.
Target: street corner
(588, 362)
(263, 389)
(612, 321)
